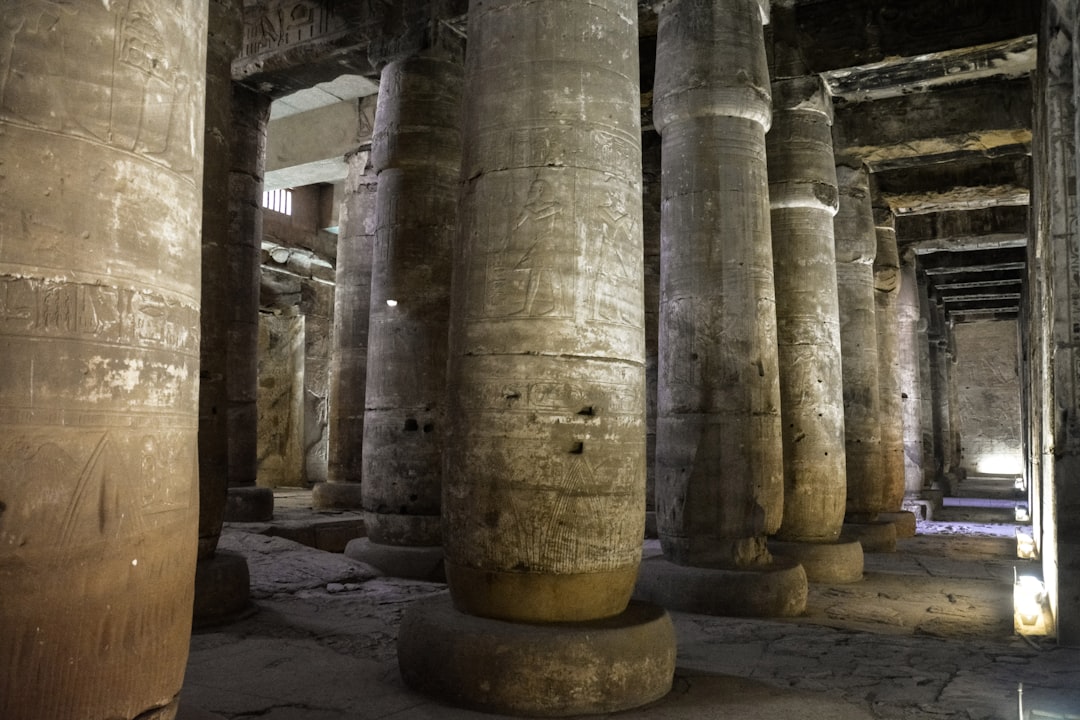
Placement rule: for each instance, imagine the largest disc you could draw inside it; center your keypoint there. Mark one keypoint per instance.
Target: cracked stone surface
(926, 635)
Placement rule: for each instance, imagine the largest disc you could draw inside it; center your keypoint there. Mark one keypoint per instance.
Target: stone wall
(988, 385)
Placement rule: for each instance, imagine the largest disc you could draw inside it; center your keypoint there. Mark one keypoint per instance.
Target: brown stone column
(221, 579)
(856, 249)
(910, 375)
(416, 150)
(250, 115)
(348, 360)
(803, 198)
(887, 293)
(101, 133)
(719, 449)
(544, 493)
(651, 200)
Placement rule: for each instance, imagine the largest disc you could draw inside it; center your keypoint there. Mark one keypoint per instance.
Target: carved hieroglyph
(543, 501)
(100, 202)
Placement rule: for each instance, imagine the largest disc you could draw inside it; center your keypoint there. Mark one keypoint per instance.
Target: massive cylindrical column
(719, 450)
(887, 291)
(101, 133)
(803, 198)
(221, 579)
(907, 311)
(856, 248)
(250, 115)
(348, 358)
(416, 150)
(544, 493)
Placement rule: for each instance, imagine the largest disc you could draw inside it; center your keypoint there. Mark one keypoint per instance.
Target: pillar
(543, 497)
(250, 114)
(855, 237)
(101, 140)
(221, 578)
(907, 311)
(719, 449)
(926, 385)
(348, 357)
(803, 198)
(887, 284)
(651, 193)
(416, 150)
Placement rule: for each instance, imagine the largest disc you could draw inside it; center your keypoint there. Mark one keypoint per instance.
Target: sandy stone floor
(927, 634)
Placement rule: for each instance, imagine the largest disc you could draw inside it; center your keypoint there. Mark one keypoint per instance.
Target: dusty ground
(927, 634)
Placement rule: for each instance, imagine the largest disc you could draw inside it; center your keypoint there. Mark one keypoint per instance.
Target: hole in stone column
(578, 448)
(411, 425)
(3, 507)
(414, 497)
(587, 411)
(903, 396)
(428, 427)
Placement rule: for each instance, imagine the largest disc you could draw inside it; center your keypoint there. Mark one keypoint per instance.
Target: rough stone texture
(987, 379)
(886, 293)
(803, 198)
(831, 562)
(719, 449)
(543, 507)
(775, 589)
(348, 360)
(317, 305)
(101, 117)
(417, 153)
(911, 400)
(582, 668)
(223, 42)
(856, 248)
(651, 200)
(281, 399)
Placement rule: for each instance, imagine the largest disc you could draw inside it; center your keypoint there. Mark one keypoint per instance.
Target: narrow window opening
(278, 201)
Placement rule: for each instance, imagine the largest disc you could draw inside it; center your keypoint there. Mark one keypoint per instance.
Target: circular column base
(824, 562)
(551, 670)
(222, 589)
(876, 537)
(249, 504)
(775, 590)
(336, 496)
(402, 561)
(904, 521)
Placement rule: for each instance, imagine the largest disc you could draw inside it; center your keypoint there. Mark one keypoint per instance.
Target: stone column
(651, 198)
(719, 449)
(348, 359)
(416, 150)
(544, 493)
(221, 578)
(907, 311)
(101, 134)
(803, 198)
(250, 115)
(926, 407)
(887, 292)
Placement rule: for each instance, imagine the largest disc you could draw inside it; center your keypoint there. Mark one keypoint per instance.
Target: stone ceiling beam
(984, 227)
(947, 263)
(310, 147)
(923, 127)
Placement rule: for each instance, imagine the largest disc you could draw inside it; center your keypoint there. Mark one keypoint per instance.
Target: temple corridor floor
(927, 634)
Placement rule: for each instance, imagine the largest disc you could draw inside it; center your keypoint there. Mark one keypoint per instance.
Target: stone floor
(927, 634)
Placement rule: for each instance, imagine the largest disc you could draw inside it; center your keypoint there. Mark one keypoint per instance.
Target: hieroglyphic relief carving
(527, 277)
(49, 308)
(104, 484)
(615, 274)
(129, 85)
(283, 24)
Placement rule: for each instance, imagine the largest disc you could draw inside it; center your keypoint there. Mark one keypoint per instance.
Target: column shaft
(543, 502)
(348, 360)
(719, 451)
(101, 135)
(909, 362)
(856, 248)
(887, 288)
(803, 196)
(417, 153)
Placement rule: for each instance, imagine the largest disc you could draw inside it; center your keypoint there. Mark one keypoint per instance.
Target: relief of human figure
(613, 267)
(535, 246)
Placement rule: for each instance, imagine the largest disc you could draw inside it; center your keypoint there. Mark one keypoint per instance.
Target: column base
(336, 496)
(903, 520)
(554, 670)
(168, 712)
(824, 562)
(249, 504)
(775, 590)
(402, 561)
(876, 537)
(222, 589)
